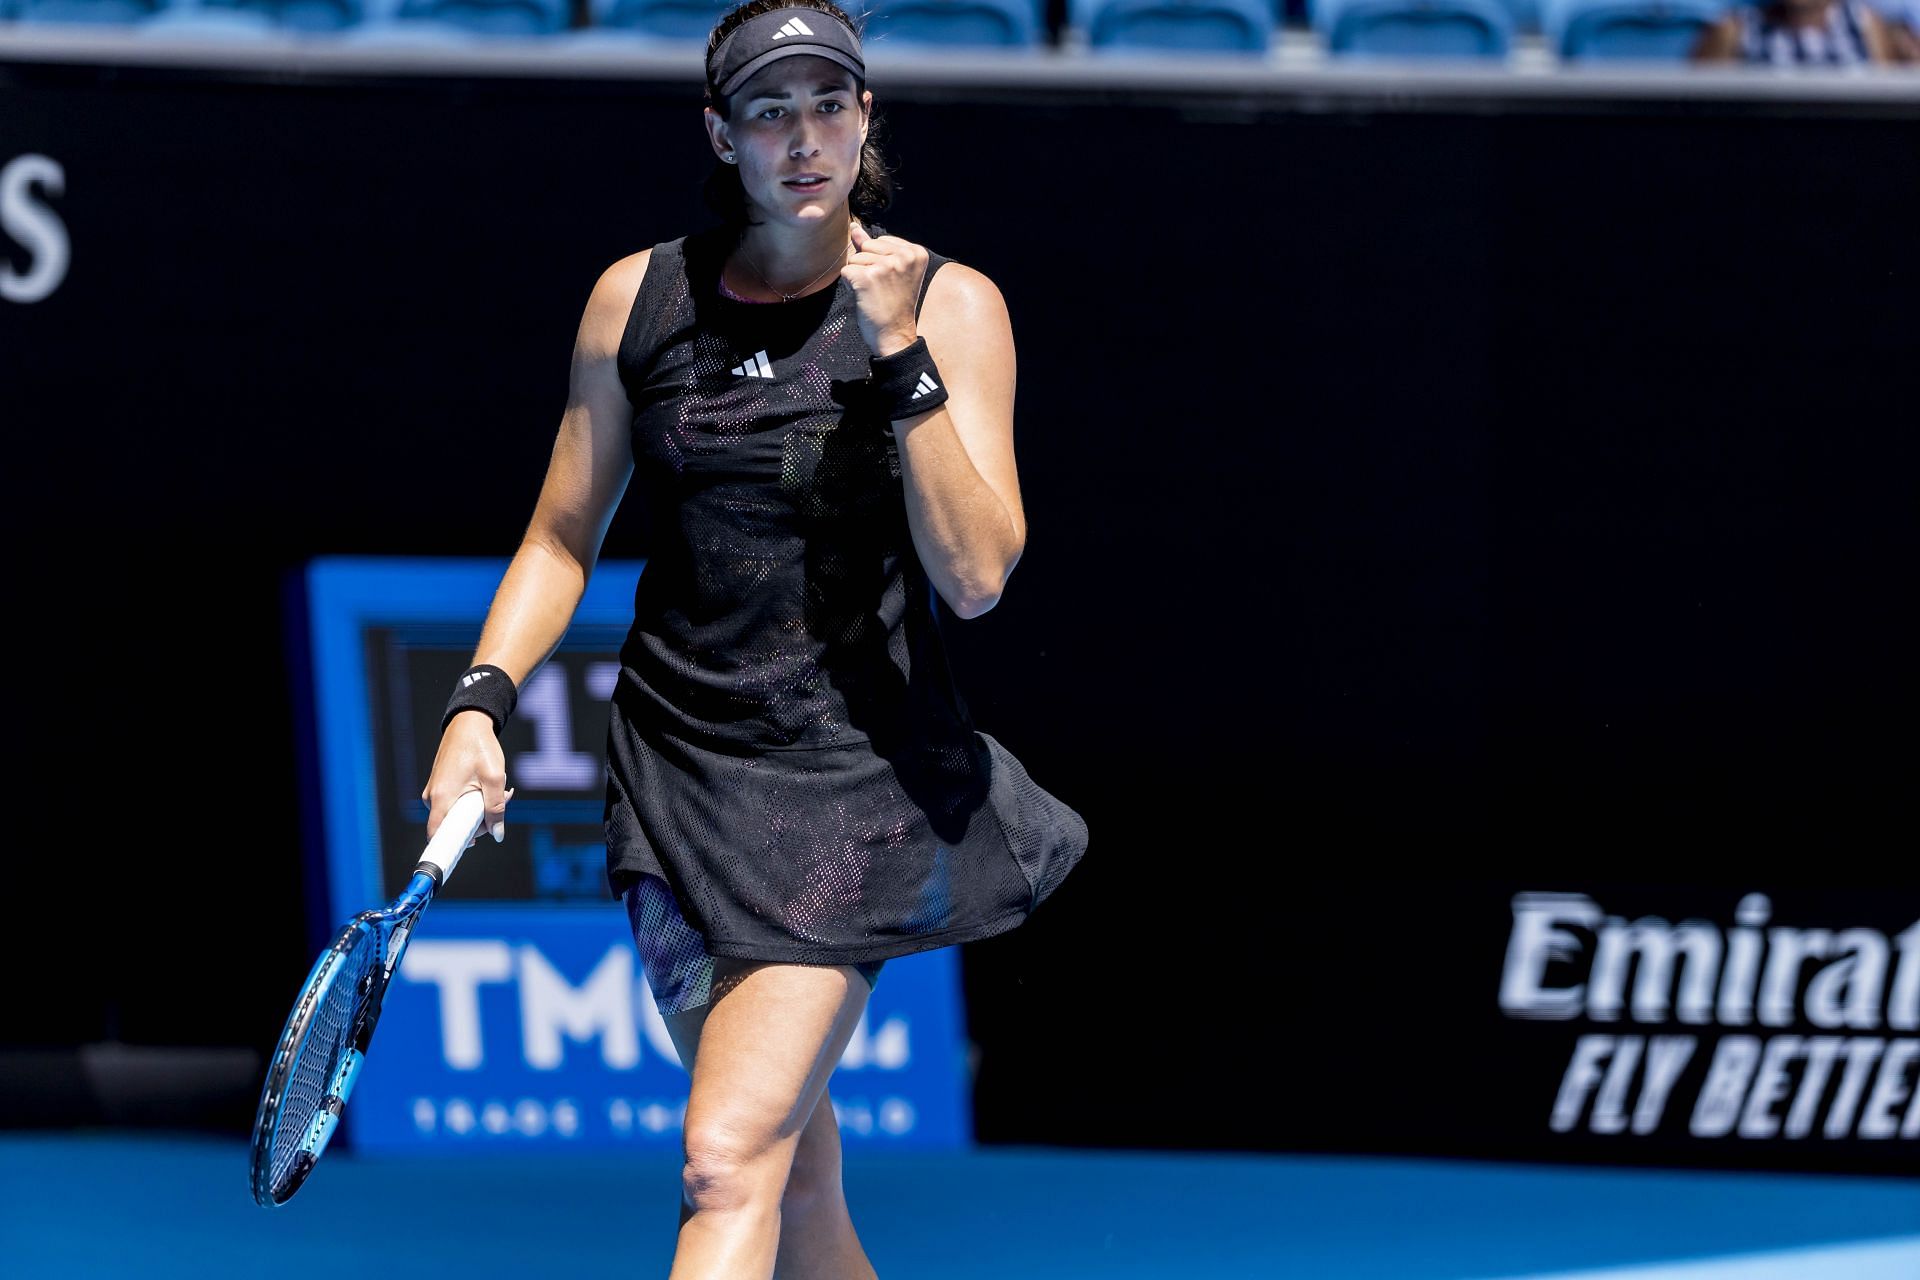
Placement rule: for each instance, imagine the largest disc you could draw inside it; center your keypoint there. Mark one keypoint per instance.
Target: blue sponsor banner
(520, 1015)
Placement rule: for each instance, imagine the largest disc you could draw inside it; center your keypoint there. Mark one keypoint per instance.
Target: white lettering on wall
(601, 1007)
(1568, 959)
(34, 226)
(1650, 971)
(458, 969)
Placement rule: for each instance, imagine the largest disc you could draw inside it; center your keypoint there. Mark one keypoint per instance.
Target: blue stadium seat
(417, 32)
(87, 11)
(285, 16)
(628, 40)
(201, 22)
(488, 17)
(1647, 30)
(1525, 14)
(664, 19)
(1415, 28)
(307, 15)
(1174, 26)
(951, 23)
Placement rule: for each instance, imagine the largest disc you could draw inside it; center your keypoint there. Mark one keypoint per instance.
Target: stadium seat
(86, 11)
(952, 23)
(626, 40)
(285, 16)
(1647, 30)
(390, 31)
(1415, 28)
(488, 17)
(1525, 14)
(663, 19)
(1174, 26)
(200, 22)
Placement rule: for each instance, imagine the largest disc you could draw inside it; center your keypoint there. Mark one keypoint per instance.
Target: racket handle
(456, 832)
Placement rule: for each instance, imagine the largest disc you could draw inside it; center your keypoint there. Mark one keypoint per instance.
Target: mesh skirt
(835, 855)
(673, 953)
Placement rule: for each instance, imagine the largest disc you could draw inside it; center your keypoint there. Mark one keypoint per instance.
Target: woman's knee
(724, 1170)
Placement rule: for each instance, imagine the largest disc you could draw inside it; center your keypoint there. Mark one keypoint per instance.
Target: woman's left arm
(956, 460)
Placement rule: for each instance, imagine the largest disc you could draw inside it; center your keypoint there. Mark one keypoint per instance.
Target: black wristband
(907, 383)
(483, 688)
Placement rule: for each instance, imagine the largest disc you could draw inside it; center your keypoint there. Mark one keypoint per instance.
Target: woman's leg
(760, 1055)
(817, 1238)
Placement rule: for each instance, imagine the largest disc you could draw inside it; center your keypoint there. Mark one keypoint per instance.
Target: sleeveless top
(787, 745)
(1840, 41)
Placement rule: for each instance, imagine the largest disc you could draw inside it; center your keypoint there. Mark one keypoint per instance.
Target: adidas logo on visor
(755, 366)
(926, 384)
(793, 27)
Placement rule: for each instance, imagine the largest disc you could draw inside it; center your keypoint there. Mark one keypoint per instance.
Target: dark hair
(872, 188)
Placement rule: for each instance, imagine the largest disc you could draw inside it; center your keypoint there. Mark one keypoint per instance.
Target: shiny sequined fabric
(788, 754)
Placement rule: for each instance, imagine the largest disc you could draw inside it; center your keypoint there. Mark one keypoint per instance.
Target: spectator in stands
(1903, 27)
(1799, 32)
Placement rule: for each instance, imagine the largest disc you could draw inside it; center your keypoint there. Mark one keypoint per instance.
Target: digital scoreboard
(520, 1015)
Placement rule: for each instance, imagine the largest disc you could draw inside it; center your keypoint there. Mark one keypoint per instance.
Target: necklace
(789, 297)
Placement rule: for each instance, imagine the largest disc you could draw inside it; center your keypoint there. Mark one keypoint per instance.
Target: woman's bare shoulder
(962, 294)
(612, 301)
(624, 277)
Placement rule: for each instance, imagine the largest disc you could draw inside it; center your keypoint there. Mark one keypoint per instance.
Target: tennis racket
(325, 1040)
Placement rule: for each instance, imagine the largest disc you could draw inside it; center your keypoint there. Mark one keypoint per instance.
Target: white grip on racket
(456, 832)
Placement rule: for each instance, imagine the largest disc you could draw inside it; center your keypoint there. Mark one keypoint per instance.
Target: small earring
(728, 157)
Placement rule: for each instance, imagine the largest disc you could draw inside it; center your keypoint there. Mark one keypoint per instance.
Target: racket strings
(323, 1045)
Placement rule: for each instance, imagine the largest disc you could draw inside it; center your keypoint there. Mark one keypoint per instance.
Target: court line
(1881, 1260)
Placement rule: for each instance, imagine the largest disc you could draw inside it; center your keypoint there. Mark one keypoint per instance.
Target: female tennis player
(820, 415)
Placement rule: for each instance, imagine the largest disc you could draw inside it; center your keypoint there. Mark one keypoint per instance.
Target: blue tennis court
(118, 1206)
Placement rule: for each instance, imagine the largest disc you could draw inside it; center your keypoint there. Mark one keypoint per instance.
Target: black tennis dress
(792, 773)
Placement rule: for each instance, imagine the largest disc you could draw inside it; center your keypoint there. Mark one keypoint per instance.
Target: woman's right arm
(591, 464)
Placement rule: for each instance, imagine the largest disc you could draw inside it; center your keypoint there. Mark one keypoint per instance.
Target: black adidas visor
(771, 36)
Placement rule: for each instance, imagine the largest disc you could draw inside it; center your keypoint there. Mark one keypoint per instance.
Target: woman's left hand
(885, 274)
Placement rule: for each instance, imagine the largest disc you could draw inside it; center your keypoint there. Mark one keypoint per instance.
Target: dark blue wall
(1426, 505)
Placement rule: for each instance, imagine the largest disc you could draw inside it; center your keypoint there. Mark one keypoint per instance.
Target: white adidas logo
(926, 384)
(793, 27)
(755, 366)
(475, 678)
